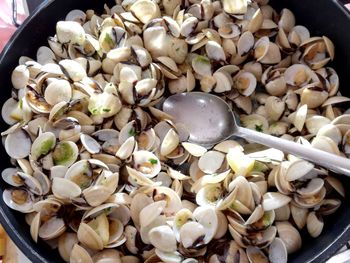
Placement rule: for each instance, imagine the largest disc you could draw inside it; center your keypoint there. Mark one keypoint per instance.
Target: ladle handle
(327, 160)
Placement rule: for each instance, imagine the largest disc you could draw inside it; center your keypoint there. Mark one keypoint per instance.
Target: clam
(169, 143)
(72, 69)
(174, 257)
(216, 160)
(254, 254)
(314, 224)
(313, 98)
(66, 242)
(20, 77)
(79, 254)
(326, 144)
(163, 238)
(215, 51)
(104, 104)
(145, 10)
(146, 163)
(315, 123)
(64, 188)
(266, 52)
(278, 251)
(289, 235)
(273, 201)
(112, 37)
(298, 75)
(300, 117)
(195, 238)
(294, 170)
(229, 30)
(245, 83)
(10, 176)
(94, 234)
(207, 217)
(18, 144)
(149, 213)
(19, 199)
(299, 215)
(70, 32)
(201, 65)
(236, 7)
(65, 153)
(274, 107)
(108, 256)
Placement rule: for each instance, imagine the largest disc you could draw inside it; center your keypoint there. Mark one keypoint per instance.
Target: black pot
(321, 17)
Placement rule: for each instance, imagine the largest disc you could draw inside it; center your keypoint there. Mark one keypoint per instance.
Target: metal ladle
(210, 120)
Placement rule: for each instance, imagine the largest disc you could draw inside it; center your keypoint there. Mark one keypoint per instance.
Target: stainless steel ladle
(210, 120)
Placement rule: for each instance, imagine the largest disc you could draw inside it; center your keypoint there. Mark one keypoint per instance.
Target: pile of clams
(101, 173)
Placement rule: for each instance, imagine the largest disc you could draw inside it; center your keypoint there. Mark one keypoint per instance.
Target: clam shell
(34, 227)
(326, 144)
(255, 255)
(163, 238)
(66, 243)
(294, 170)
(10, 176)
(211, 161)
(190, 233)
(65, 153)
(52, 228)
(107, 256)
(64, 188)
(18, 144)
(173, 257)
(145, 10)
(79, 254)
(273, 201)
(278, 251)
(146, 163)
(149, 213)
(169, 143)
(18, 199)
(314, 224)
(289, 235)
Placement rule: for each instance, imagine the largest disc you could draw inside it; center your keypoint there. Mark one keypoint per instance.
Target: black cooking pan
(322, 17)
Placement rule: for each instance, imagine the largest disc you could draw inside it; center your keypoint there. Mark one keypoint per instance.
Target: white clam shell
(169, 143)
(298, 169)
(163, 238)
(211, 161)
(18, 144)
(278, 252)
(66, 243)
(57, 91)
(9, 175)
(126, 149)
(52, 228)
(25, 207)
(275, 200)
(207, 217)
(149, 213)
(289, 235)
(145, 10)
(147, 160)
(79, 254)
(70, 32)
(190, 232)
(174, 257)
(20, 77)
(64, 188)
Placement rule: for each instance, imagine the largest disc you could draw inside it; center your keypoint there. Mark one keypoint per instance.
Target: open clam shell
(19, 199)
